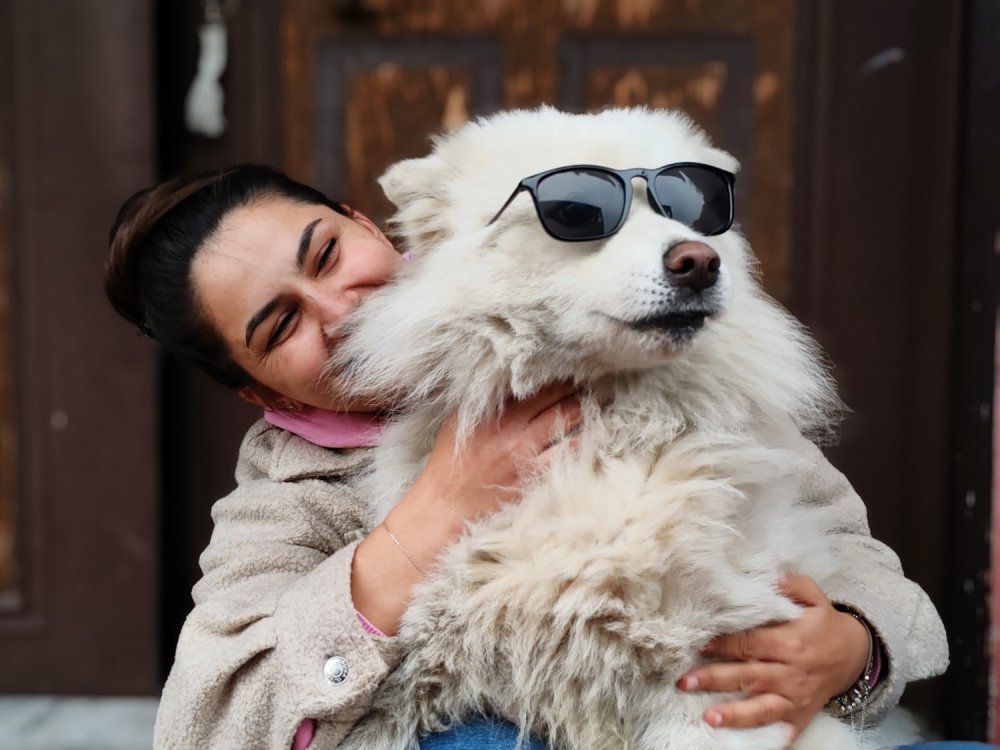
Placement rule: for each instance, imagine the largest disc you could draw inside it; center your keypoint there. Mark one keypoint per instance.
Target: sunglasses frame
(624, 177)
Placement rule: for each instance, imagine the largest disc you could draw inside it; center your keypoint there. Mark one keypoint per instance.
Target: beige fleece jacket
(257, 654)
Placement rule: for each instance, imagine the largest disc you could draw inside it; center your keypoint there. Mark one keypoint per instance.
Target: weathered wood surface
(366, 83)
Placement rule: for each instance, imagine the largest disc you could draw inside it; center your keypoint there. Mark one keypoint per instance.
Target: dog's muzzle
(692, 269)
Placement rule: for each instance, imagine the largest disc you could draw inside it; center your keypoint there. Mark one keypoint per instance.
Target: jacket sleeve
(869, 579)
(272, 608)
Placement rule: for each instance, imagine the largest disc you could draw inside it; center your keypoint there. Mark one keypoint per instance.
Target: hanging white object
(203, 108)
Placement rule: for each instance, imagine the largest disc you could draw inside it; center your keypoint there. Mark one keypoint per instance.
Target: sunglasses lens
(580, 204)
(697, 196)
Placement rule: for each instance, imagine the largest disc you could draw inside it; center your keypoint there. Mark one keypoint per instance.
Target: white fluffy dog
(574, 612)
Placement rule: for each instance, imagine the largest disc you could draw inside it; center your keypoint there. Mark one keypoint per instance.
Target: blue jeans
(479, 734)
(494, 734)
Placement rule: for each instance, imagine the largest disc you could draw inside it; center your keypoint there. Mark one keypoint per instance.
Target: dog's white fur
(574, 612)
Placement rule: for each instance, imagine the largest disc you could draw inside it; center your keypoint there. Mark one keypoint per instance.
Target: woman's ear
(367, 223)
(266, 398)
(250, 395)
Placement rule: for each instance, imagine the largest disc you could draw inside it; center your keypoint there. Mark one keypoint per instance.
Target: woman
(246, 274)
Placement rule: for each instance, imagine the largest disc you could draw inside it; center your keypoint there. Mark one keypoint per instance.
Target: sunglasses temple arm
(504, 206)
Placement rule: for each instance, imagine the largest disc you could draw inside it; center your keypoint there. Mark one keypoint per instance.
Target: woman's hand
(460, 483)
(788, 671)
(469, 481)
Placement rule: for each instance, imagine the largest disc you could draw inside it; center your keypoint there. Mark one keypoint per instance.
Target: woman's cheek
(310, 361)
(283, 371)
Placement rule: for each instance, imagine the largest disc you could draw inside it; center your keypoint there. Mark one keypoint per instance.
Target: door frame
(973, 566)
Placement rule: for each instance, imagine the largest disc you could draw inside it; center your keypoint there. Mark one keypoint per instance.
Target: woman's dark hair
(154, 240)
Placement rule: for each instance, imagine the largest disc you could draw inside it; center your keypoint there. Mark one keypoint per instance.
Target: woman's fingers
(749, 678)
(490, 465)
(542, 420)
(539, 405)
(560, 420)
(766, 644)
(774, 692)
(785, 672)
(756, 711)
(802, 590)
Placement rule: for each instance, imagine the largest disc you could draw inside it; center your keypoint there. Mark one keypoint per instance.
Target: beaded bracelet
(856, 697)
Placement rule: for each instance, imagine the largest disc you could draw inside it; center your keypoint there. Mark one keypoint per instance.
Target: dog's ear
(671, 120)
(416, 187)
(405, 180)
(723, 159)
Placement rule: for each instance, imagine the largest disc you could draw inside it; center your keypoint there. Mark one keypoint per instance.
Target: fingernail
(787, 730)
(713, 718)
(688, 682)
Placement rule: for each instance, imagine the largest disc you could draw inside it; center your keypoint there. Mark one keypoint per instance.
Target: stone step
(38, 722)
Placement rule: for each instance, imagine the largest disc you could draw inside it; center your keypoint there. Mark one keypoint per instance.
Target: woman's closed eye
(328, 252)
(283, 327)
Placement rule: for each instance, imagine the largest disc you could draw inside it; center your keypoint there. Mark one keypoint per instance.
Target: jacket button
(336, 670)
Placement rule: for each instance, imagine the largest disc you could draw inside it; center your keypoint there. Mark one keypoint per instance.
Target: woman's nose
(332, 306)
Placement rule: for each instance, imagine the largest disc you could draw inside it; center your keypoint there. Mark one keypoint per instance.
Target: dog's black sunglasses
(586, 202)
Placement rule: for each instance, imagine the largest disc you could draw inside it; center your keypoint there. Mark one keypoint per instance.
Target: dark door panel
(79, 608)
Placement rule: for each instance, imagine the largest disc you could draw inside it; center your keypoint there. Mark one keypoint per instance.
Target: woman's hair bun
(128, 242)
(121, 268)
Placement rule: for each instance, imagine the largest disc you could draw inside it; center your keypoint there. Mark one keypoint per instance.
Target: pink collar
(330, 429)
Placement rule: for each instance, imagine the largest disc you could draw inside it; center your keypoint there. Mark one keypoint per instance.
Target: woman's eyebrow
(300, 260)
(304, 242)
(259, 317)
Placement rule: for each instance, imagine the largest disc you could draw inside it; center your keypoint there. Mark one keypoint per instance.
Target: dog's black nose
(693, 265)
